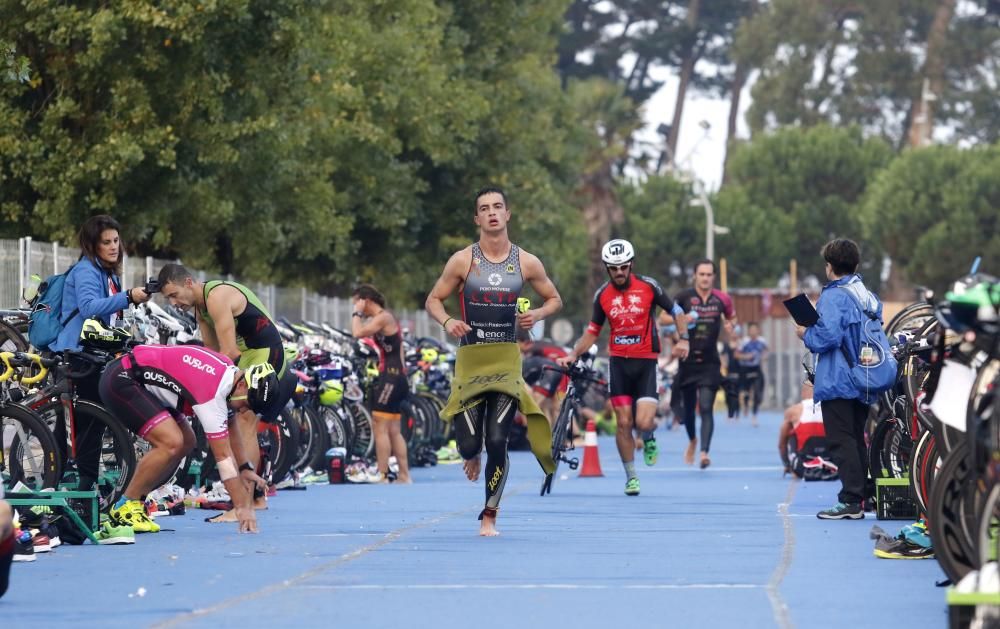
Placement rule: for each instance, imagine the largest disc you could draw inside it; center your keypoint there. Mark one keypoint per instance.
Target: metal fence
(21, 258)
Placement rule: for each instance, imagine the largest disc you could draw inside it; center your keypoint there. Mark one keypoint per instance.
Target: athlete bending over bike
(145, 388)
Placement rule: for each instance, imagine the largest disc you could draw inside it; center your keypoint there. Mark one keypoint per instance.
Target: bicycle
(580, 376)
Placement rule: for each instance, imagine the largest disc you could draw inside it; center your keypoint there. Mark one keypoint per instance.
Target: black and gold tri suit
(489, 305)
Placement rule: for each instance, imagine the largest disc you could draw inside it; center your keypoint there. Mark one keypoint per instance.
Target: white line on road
(539, 586)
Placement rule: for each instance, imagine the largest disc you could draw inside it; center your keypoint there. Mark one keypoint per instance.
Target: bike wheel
(309, 439)
(559, 432)
(28, 450)
(362, 429)
(280, 440)
(889, 452)
(11, 340)
(321, 439)
(99, 436)
(337, 431)
(924, 462)
(946, 510)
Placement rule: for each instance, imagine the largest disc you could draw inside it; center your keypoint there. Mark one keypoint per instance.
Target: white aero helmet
(617, 251)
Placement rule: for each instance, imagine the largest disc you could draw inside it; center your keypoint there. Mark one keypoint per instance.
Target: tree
(934, 210)
(790, 192)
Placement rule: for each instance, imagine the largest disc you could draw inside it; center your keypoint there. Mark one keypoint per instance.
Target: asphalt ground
(734, 545)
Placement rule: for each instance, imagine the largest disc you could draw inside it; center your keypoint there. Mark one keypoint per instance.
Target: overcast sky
(697, 149)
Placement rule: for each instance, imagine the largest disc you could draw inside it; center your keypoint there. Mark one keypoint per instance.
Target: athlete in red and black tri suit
(699, 376)
(629, 301)
(371, 319)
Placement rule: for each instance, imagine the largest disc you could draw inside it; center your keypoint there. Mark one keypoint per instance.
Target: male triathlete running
(700, 373)
(233, 321)
(146, 389)
(371, 319)
(488, 389)
(629, 300)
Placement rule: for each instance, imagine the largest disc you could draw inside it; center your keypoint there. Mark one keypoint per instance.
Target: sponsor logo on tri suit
(510, 269)
(494, 279)
(489, 378)
(488, 324)
(633, 339)
(496, 478)
(158, 378)
(485, 334)
(623, 313)
(197, 364)
(500, 296)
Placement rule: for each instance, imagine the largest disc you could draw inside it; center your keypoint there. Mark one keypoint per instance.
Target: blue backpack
(46, 321)
(875, 370)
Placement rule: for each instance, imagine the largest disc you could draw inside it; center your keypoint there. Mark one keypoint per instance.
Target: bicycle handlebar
(575, 373)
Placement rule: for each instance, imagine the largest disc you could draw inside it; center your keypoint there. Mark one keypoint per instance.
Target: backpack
(45, 322)
(876, 368)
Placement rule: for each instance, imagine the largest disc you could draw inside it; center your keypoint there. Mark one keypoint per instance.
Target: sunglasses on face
(618, 267)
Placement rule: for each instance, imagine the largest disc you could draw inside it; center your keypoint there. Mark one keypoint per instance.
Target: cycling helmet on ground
(617, 252)
(94, 335)
(262, 386)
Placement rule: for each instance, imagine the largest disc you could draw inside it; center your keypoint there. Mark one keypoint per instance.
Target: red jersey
(632, 313)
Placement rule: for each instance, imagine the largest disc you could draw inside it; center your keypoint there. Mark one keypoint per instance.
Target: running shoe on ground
(133, 513)
(901, 549)
(111, 535)
(632, 487)
(841, 511)
(23, 549)
(650, 451)
(41, 543)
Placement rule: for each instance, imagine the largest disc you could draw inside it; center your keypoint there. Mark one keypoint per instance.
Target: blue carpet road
(734, 545)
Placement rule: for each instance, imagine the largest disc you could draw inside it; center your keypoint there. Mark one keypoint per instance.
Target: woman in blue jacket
(93, 291)
(845, 408)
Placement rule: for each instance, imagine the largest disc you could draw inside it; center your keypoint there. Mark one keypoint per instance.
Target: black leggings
(702, 398)
(753, 383)
(490, 419)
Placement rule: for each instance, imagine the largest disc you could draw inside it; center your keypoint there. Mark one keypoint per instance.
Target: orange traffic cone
(591, 460)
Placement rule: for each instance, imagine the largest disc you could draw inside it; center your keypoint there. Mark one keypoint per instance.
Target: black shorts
(388, 393)
(700, 374)
(632, 380)
(130, 402)
(540, 379)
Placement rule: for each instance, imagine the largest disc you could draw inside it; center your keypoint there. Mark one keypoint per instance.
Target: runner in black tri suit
(629, 302)
(489, 275)
(699, 376)
(370, 318)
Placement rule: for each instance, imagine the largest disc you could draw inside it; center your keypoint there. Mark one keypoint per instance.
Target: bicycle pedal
(573, 463)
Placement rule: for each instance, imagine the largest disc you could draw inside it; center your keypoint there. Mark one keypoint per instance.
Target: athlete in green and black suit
(234, 322)
(488, 276)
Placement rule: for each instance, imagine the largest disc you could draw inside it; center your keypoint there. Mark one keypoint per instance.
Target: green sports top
(257, 336)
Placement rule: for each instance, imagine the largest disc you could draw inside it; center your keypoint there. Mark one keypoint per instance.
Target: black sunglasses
(618, 267)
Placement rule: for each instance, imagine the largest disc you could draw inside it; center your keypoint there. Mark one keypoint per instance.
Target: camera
(152, 286)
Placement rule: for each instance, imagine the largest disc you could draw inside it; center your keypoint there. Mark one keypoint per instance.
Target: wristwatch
(357, 314)
(246, 466)
(685, 337)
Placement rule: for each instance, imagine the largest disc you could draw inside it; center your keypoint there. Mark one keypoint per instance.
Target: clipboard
(802, 310)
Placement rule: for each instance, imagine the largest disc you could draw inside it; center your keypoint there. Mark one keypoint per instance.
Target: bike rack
(61, 500)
